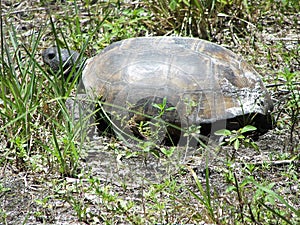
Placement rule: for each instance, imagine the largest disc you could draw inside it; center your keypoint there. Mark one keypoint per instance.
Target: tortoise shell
(203, 81)
(183, 81)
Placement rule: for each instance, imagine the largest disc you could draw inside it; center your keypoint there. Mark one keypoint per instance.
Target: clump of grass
(204, 197)
(187, 18)
(199, 18)
(101, 24)
(32, 111)
(20, 97)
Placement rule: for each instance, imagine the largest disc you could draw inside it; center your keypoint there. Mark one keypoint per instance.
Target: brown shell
(204, 81)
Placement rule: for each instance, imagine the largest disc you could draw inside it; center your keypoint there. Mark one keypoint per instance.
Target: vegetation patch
(52, 171)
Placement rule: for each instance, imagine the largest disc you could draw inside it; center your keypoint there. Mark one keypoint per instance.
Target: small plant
(154, 127)
(79, 207)
(163, 107)
(3, 216)
(250, 168)
(41, 213)
(3, 189)
(192, 131)
(205, 194)
(237, 137)
(126, 24)
(229, 173)
(269, 202)
(168, 151)
(111, 204)
(292, 104)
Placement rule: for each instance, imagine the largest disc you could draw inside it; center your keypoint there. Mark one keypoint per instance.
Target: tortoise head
(64, 58)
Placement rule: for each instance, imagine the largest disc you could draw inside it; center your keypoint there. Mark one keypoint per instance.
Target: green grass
(39, 137)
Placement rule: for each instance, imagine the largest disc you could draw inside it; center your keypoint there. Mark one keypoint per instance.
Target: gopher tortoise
(186, 82)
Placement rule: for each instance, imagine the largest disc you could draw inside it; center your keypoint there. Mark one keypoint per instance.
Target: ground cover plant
(53, 172)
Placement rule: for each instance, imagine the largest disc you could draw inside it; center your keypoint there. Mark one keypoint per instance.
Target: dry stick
(284, 39)
(25, 11)
(275, 163)
(280, 84)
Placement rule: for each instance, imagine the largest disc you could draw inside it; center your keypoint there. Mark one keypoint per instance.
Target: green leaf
(158, 106)
(173, 5)
(254, 145)
(168, 152)
(230, 189)
(236, 144)
(223, 132)
(240, 137)
(248, 128)
(171, 108)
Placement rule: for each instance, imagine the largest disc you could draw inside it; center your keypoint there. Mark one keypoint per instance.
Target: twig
(234, 17)
(284, 39)
(276, 163)
(280, 84)
(25, 11)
